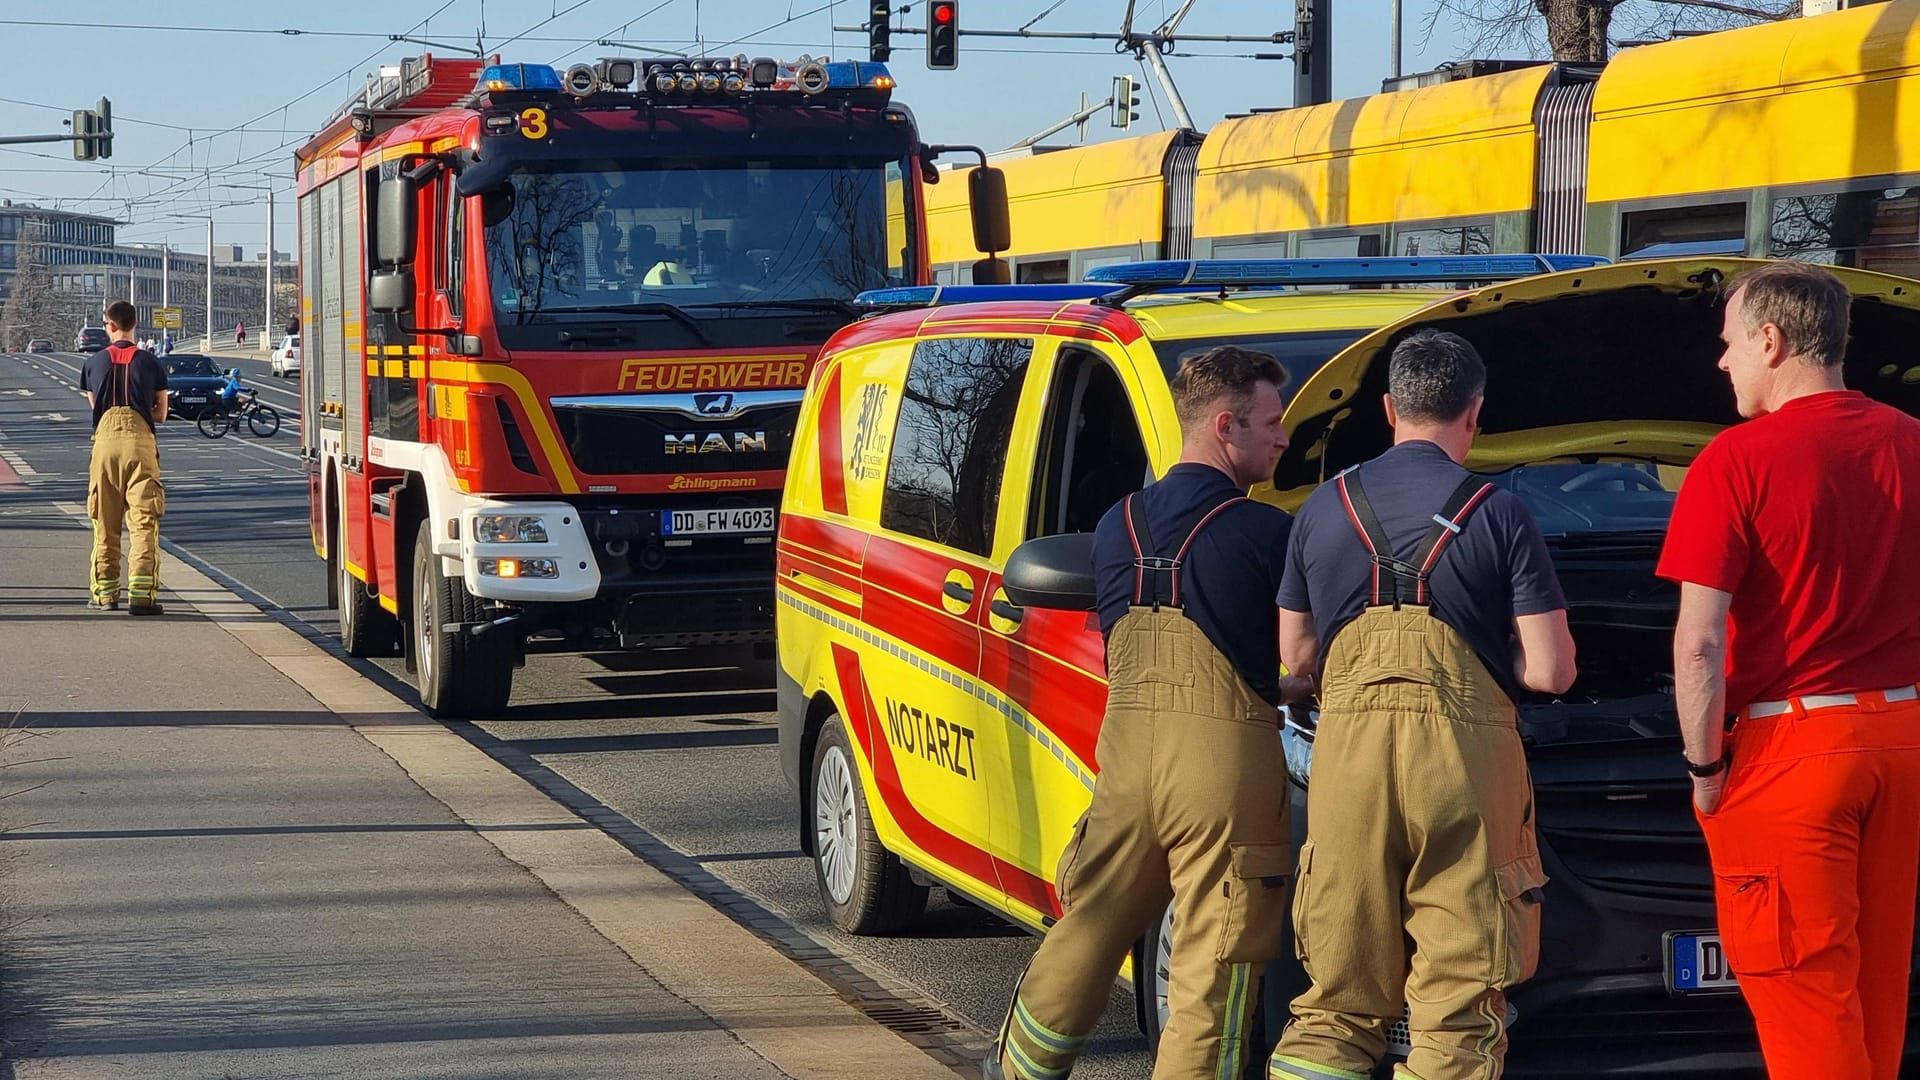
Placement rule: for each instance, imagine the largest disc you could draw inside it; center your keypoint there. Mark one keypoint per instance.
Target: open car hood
(1612, 361)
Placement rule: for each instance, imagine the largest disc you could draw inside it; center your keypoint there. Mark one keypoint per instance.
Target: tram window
(1872, 230)
(1454, 240)
(1365, 246)
(1041, 272)
(1250, 249)
(1719, 228)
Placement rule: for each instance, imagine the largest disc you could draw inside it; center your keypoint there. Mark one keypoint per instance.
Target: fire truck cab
(557, 330)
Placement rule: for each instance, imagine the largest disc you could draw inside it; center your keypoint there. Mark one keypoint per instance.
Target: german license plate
(718, 522)
(194, 400)
(1697, 963)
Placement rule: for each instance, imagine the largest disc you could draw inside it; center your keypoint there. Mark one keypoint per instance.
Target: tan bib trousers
(1420, 878)
(1191, 805)
(123, 488)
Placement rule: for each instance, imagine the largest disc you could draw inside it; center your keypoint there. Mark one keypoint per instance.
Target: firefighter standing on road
(1408, 581)
(1796, 542)
(1190, 804)
(127, 389)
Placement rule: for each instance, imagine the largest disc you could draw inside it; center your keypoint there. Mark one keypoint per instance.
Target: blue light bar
(1256, 272)
(519, 77)
(858, 75)
(930, 295)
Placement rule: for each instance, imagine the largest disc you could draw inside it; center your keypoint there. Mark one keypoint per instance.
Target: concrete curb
(766, 1000)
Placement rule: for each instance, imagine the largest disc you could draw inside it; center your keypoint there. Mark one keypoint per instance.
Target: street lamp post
(266, 328)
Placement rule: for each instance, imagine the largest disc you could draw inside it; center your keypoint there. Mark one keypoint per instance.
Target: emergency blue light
(858, 75)
(499, 77)
(931, 295)
(1390, 271)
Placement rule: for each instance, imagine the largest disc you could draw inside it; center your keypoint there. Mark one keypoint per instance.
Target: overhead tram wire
(613, 33)
(550, 18)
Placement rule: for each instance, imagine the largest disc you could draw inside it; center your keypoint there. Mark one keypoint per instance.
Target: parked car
(193, 384)
(91, 339)
(285, 360)
(39, 344)
(940, 681)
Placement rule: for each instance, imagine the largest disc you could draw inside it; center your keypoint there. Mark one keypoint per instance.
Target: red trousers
(1815, 851)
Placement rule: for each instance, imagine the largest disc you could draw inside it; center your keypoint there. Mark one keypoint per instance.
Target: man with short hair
(1794, 540)
(127, 390)
(1424, 600)
(1191, 804)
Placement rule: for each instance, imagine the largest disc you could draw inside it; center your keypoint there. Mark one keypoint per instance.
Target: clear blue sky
(196, 109)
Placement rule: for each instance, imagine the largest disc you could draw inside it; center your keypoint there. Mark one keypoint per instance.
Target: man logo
(744, 442)
(713, 404)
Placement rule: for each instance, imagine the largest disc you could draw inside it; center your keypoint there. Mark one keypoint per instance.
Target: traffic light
(880, 32)
(93, 132)
(943, 35)
(1126, 95)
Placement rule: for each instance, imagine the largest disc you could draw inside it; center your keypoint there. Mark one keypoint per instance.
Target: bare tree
(32, 310)
(1586, 30)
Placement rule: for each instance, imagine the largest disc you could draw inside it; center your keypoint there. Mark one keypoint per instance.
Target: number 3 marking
(533, 123)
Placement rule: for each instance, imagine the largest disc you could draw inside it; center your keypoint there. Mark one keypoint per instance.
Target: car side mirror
(1053, 572)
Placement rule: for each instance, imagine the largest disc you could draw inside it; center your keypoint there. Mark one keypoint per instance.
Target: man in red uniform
(1794, 541)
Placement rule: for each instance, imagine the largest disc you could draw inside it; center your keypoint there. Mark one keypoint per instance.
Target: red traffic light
(943, 13)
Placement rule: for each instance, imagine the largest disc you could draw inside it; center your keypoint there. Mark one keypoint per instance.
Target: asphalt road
(681, 743)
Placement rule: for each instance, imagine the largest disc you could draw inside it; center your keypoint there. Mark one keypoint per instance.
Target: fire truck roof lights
(500, 77)
(1392, 271)
(738, 75)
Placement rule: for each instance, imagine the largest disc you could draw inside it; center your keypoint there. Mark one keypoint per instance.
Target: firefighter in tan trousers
(1424, 599)
(1191, 803)
(127, 389)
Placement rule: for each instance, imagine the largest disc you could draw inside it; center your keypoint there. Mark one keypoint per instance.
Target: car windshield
(1301, 353)
(190, 366)
(1571, 499)
(572, 239)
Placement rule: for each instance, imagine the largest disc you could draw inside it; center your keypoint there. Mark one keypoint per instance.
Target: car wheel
(458, 673)
(1152, 967)
(866, 888)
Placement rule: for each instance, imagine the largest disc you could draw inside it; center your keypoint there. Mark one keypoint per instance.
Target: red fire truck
(555, 331)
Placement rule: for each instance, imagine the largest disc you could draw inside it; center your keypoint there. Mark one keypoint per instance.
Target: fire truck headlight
(664, 83)
(709, 82)
(509, 529)
(687, 82)
(519, 568)
(763, 71)
(733, 83)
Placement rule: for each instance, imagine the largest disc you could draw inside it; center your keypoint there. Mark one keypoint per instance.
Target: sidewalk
(226, 854)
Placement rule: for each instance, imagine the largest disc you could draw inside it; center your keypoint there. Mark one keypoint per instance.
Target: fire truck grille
(628, 440)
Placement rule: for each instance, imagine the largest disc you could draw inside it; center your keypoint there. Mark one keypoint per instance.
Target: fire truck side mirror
(992, 271)
(396, 211)
(390, 292)
(987, 195)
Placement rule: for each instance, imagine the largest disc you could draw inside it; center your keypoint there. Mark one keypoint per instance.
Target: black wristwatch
(1714, 768)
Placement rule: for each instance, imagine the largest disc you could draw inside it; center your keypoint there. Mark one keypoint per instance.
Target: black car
(91, 339)
(194, 383)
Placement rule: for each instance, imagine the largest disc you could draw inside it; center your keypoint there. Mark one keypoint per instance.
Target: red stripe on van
(833, 468)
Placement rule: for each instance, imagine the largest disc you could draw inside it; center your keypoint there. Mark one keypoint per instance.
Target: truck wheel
(865, 887)
(365, 627)
(458, 674)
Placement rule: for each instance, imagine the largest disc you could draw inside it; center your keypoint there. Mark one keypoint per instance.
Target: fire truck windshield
(580, 239)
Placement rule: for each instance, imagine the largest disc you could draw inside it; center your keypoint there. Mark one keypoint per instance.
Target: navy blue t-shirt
(1228, 581)
(1497, 568)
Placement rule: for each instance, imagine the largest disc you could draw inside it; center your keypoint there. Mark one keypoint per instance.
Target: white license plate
(1697, 963)
(194, 400)
(712, 522)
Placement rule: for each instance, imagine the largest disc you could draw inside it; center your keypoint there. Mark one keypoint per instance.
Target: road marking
(22, 392)
(19, 463)
(58, 418)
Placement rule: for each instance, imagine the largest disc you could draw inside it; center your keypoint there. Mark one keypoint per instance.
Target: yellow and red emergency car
(936, 731)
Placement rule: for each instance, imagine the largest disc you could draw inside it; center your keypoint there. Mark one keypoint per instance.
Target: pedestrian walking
(1794, 540)
(1190, 806)
(127, 390)
(240, 335)
(1408, 580)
